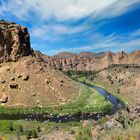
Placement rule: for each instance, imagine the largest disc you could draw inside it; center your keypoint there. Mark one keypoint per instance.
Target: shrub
(84, 133)
(34, 134)
(38, 129)
(112, 82)
(118, 91)
(28, 134)
(11, 127)
(20, 128)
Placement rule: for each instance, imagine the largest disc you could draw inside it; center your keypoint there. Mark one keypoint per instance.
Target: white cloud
(117, 8)
(135, 33)
(107, 43)
(54, 32)
(64, 9)
(70, 10)
(103, 43)
(131, 43)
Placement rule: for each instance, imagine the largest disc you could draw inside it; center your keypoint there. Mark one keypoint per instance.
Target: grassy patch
(108, 88)
(89, 101)
(10, 129)
(113, 91)
(84, 133)
(85, 75)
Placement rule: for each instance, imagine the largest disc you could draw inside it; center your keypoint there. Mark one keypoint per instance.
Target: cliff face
(14, 41)
(91, 61)
(29, 82)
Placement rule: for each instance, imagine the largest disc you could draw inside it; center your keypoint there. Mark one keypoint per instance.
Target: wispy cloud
(105, 44)
(47, 8)
(135, 33)
(117, 8)
(64, 9)
(59, 29)
(56, 32)
(75, 25)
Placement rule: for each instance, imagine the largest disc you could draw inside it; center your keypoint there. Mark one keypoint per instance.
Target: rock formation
(27, 81)
(14, 41)
(90, 61)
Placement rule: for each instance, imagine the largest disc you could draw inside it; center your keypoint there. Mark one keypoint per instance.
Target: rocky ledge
(14, 41)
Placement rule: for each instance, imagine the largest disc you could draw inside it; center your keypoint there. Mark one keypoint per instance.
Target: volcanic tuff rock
(28, 81)
(90, 61)
(14, 41)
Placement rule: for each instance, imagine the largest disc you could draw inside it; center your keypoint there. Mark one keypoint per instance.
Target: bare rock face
(89, 61)
(14, 42)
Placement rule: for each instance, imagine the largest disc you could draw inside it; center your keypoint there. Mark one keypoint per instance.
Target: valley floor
(124, 125)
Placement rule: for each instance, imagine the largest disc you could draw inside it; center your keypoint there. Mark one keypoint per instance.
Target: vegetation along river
(116, 103)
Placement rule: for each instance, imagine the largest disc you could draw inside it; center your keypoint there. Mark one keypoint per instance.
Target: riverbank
(108, 87)
(88, 101)
(86, 128)
(123, 125)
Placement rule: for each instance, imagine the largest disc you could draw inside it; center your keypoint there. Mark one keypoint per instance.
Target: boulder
(2, 81)
(25, 77)
(12, 78)
(47, 81)
(4, 99)
(19, 76)
(13, 85)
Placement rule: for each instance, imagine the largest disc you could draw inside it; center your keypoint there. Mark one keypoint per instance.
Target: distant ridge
(91, 61)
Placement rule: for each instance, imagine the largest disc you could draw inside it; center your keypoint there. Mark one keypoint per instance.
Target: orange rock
(14, 42)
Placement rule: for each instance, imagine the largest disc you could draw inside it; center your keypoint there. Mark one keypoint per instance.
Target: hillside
(25, 80)
(124, 80)
(64, 55)
(29, 82)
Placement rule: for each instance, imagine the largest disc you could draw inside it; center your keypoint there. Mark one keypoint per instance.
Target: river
(45, 117)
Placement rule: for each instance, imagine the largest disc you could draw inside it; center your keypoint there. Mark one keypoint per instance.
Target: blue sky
(77, 25)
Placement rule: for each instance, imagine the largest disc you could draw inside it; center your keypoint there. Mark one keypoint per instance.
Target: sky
(77, 25)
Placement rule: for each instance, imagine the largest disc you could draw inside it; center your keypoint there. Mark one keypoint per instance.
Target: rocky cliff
(91, 61)
(14, 41)
(27, 81)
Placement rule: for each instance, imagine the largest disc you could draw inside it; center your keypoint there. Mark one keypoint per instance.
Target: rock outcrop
(27, 81)
(14, 42)
(4, 99)
(90, 61)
